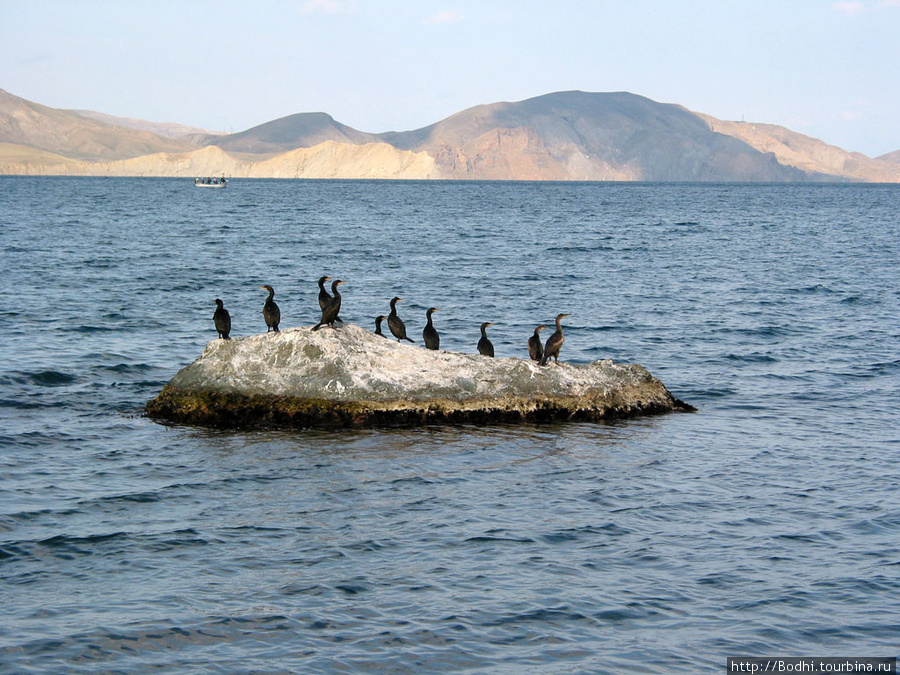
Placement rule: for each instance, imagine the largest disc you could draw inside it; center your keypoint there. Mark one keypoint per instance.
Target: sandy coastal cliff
(351, 377)
(326, 160)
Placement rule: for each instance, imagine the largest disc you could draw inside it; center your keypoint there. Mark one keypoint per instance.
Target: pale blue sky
(824, 68)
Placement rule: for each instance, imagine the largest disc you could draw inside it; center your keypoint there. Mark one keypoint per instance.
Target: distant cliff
(570, 135)
(808, 154)
(326, 160)
(74, 136)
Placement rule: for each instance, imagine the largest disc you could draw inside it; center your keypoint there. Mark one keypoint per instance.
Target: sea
(767, 523)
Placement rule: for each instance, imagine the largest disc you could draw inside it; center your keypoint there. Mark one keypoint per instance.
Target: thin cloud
(327, 7)
(443, 17)
(851, 8)
(850, 116)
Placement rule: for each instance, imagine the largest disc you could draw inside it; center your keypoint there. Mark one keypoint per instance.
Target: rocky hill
(73, 136)
(303, 130)
(562, 136)
(893, 157)
(584, 136)
(166, 129)
(808, 154)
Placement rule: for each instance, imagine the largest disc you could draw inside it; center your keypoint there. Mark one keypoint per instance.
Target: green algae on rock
(350, 377)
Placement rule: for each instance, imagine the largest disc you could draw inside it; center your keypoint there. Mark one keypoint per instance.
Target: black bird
(323, 294)
(430, 334)
(270, 311)
(378, 320)
(395, 323)
(332, 307)
(324, 298)
(222, 319)
(554, 342)
(535, 348)
(485, 348)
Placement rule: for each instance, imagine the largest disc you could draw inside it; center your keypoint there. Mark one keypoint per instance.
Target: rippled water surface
(767, 523)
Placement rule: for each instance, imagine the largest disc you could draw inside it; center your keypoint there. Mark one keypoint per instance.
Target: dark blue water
(768, 523)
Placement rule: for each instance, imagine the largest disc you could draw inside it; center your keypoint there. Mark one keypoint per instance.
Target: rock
(351, 377)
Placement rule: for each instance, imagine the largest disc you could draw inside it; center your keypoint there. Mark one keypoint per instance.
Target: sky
(828, 69)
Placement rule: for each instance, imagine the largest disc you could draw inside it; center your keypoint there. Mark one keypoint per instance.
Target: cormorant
(222, 319)
(395, 323)
(485, 348)
(535, 347)
(323, 294)
(324, 298)
(378, 320)
(332, 307)
(429, 334)
(270, 311)
(554, 342)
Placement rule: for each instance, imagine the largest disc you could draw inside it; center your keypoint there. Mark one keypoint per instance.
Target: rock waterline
(350, 377)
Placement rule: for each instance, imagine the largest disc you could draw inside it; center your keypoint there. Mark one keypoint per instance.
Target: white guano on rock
(349, 376)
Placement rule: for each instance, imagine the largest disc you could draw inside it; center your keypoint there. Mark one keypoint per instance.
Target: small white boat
(210, 182)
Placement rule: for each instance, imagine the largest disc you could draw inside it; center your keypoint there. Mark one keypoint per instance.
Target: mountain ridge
(570, 135)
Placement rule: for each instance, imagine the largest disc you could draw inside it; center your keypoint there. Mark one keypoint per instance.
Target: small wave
(178, 539)
(128, 368)
(489, 538)
(370, 545)
(62, 540)
(755, 357)
(884, 367)
(62, 546)
(815, 288)
(352, 589)
(415, 480)
(856, 299)
(51, 378)
(540, 615)
(138, 497)
(575, 534)
(19, 404)
(621, 615)
(707, 393)
(92, 329)
(757, 331)
(879, 525)
(571, 249)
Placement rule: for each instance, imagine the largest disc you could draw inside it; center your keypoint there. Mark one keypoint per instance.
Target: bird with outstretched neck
(332, 307)
(378, 320)
(535, 346)
(324, 298)
(395, 323)
(222, 319)
(485, 348)
(429, 333)
(270, 311)
(554, 342)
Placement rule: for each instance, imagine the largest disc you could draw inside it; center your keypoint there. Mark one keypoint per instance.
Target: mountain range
(571, 135)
